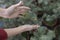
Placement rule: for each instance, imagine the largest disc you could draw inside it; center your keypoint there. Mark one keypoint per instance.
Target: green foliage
(50, 10)
(43, 34)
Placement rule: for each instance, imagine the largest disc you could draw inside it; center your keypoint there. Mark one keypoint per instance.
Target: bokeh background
(46, 13)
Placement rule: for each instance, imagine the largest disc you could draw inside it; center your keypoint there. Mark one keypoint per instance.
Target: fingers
(24, 7)
(36, 26)
(20, 3)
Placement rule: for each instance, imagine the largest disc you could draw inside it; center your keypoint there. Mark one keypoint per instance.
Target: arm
(14, 31)
(20, 29)
(2, 12)
(5, 33)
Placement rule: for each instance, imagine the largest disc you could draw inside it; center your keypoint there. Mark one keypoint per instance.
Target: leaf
(44, 37)
(51, 33)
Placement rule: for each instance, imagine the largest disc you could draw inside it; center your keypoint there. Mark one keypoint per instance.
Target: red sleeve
(3, 35)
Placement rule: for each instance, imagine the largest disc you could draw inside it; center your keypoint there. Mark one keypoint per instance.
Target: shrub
(40, 9)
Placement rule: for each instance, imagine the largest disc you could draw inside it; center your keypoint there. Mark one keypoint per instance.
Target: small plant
(50, 20)
(43, 13)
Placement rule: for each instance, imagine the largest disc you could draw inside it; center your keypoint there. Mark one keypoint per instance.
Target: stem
(28, 36)
(37, 2)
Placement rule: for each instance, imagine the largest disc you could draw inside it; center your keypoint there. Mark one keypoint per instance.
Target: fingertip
(20, 1)
(27, 7)
(38, 25)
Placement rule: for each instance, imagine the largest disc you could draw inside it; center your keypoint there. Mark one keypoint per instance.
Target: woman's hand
(30, 27)
(14, 10)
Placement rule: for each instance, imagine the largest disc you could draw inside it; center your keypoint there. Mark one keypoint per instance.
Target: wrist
(21, 29)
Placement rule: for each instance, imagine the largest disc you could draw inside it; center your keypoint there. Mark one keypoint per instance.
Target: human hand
(16, 9)
(30, 27)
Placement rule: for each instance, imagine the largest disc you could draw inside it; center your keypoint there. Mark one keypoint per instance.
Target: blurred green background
(46, 13)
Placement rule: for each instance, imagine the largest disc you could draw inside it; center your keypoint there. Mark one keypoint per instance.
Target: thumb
(20, 3)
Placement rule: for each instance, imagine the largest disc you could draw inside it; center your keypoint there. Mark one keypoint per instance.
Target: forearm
(14, 31)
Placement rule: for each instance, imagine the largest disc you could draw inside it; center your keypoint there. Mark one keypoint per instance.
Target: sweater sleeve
(3, 34)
